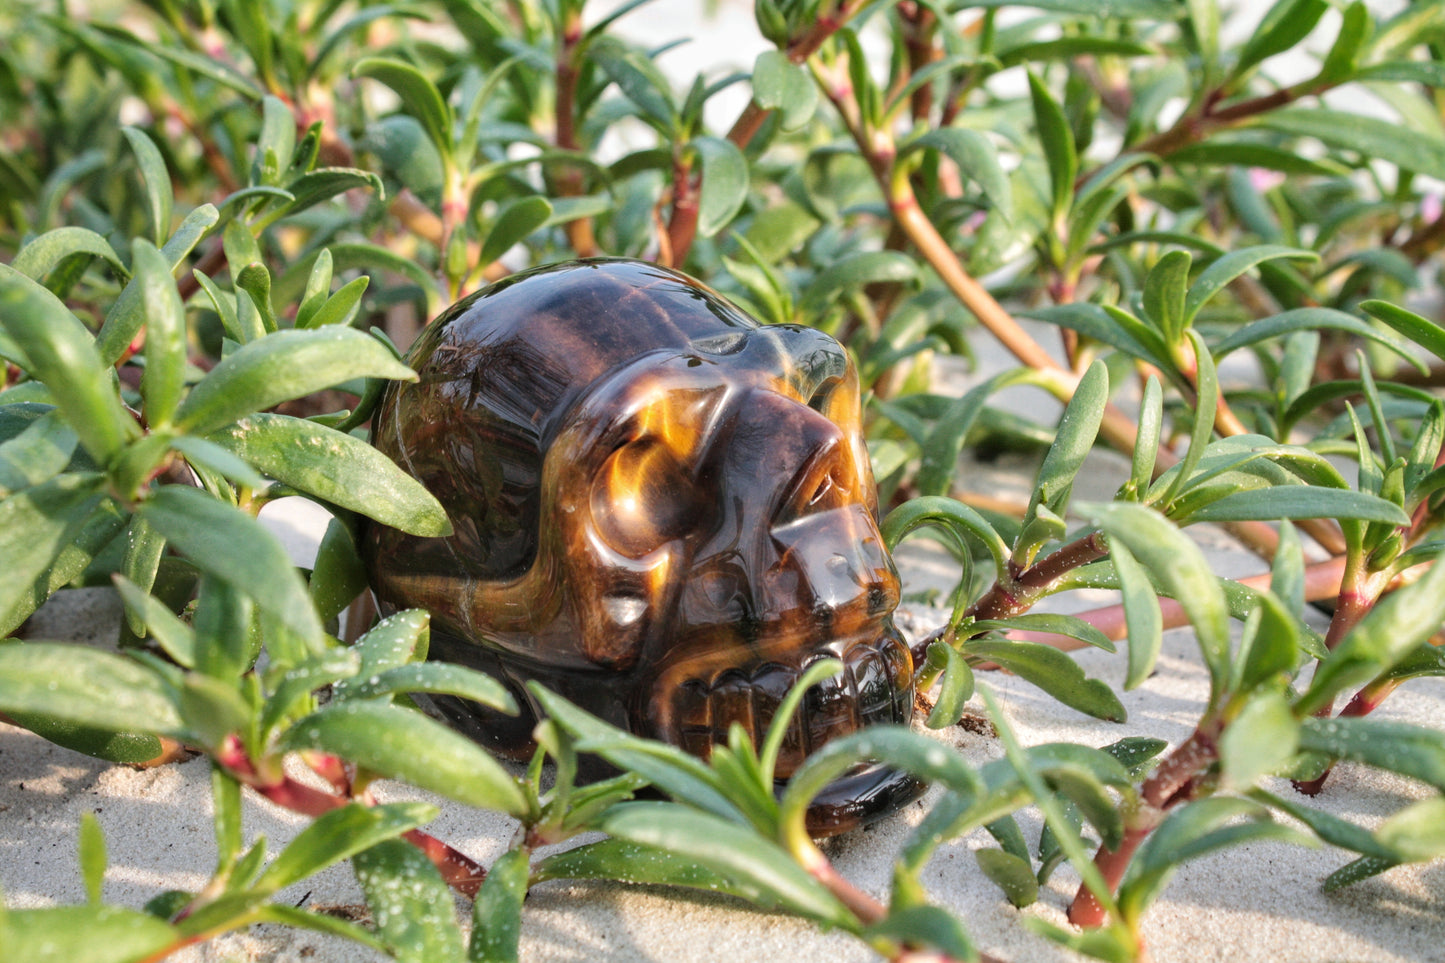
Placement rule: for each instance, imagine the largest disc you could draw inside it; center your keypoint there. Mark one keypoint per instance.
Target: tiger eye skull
(663, 511)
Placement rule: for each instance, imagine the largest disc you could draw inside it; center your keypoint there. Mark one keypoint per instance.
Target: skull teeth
(872, 689)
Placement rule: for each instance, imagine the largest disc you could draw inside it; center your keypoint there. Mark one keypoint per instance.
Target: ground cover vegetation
(217, 216)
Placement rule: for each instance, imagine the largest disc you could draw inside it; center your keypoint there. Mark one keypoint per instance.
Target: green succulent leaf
(1227, 267)
(281, 366)
(1313, 319)
(724, 183)
(1054, 672)
(1165, 288)
(1416, 832)
(1414, 751)
(336, 468)
(61, 354)
(1258, 741)
(1142, 614)
(87, 687)
(1013, 875)
(1328, 827)
(165, 347)
(731, 850)
(1427, 334)
(1074, 438)
(977, 160)
(404, 744)
(853, 272)
(1300, 501)
(1371, 137)
(337, 836)
(55, 248)
(1285, 25)
(1179, 567)
(337, 575)
(1191, 831)
(173, 636)
(779, 84)
(514, 222)
(497, 913)
(956, 687)
(93, 932)
(639, 80)
(410, 903)
(394, 641)
(418, 95)
(1057, 141)
(947, 513)
(928, 925)
(438, 678)
(1389, 633)
(156, 178)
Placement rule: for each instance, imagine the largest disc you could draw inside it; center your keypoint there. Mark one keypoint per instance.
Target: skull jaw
(859, 798)
(849, 802)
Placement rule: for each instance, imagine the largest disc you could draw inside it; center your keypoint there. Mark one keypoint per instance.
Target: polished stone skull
(663, 511)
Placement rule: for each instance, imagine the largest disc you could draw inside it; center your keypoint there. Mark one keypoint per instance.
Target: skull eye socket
(643, 497)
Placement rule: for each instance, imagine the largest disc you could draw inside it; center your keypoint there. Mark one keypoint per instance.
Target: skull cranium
(663, 511)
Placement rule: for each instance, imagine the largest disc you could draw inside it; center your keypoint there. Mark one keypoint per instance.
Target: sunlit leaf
(335, 467)
(724, 183)
(779, 84)
(419, 95)
(404, 744)
(281, 366)
(1178, 565)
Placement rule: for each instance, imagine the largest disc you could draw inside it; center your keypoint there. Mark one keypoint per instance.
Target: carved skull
(663, 511)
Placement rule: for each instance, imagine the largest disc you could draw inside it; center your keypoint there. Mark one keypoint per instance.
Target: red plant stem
(1194, 127)
(331, 768)
(870, 910)
(682, 225)
(920, 25)
(1422, 244)
(461, 872)
(570, 181)
(1168, 786)
(1368, 699)
(1019, 593)
(1361, 590)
